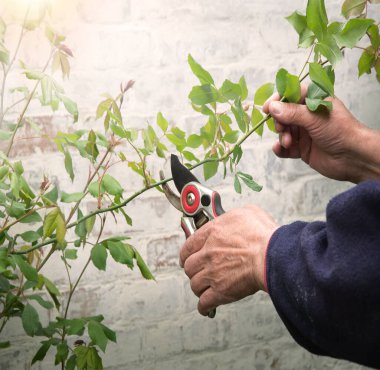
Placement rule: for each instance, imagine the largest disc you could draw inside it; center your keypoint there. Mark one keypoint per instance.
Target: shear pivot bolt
(190, 198)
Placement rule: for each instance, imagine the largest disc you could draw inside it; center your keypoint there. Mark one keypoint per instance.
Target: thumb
(293, 114)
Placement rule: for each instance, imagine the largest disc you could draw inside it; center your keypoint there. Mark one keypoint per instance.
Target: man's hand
(335, 144)
(225, 259)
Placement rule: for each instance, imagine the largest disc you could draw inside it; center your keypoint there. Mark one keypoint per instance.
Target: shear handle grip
(217, 204)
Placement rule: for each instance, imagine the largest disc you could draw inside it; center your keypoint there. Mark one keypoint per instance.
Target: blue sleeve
(324, 277)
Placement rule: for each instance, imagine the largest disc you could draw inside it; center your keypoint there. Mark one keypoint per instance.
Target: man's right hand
(335, 144)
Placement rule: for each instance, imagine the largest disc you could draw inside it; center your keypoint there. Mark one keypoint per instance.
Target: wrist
(260, 266)
(364, 155)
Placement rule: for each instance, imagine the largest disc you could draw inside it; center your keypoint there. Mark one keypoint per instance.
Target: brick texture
(157, 323)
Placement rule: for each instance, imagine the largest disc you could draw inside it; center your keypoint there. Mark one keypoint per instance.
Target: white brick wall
(157, 324)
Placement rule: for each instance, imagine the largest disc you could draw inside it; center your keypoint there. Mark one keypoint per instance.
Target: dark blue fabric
(324, 277)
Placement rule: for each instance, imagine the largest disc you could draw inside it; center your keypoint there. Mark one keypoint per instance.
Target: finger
(208, 301)
(199, 283)
(274, 97)
(193, 264)
(294, 114)
(286, 139)
(282, 152)
(279, 127)
(194, 243)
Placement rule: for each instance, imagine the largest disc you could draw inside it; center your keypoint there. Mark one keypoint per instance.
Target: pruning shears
(198, 203)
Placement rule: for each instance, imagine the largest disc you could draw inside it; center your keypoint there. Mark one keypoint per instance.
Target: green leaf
(288, 86)
(248, 180)
(241, 117)
(366, 61)
(33, 217)
(353, 32)
(145, 272)
(91, 147)
(93, 188)
(230, 90)
(315, 92)
(4, 170)
(203, 76)
(298, 21)
(94, 362)
(190, 156)
(271, 125)
(27, 270)
(321, 78)
(194, 141)
(162, 122)
(51, 287)
(316, 18)
(374, 35)
(281, 79)
(70, 106)
(19, 169)
(71, 363)
(62, 353)
(96, 333)
(178, 142)
(99, 256)
(263, 93)
(52, 195)
(45, 304)
(210, 169)
(30, 320)
(237, 184)
(34, 75)
(316, 104)
(103, 107)
(30, 236)
(70, 198)
(69, 165)
(54, 221)
(244, 88)
(15, 185)
(111, 185)
(204, 94)
(121, 253)
(90, 222)
(42, 351)
(353, 8)
(231, 137)
(118, 130)
(4, 54)
(71, 254)
(256, 118)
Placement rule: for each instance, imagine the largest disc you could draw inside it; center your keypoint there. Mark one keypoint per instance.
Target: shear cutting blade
(181, 175)
(170, 195)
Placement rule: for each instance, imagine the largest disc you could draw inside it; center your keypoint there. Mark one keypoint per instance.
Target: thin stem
(90, 178)
(6, 70)
(307, 61)
(7, 226)
(30, 97)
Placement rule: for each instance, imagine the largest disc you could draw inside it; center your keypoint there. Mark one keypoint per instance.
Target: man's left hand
(225, 259)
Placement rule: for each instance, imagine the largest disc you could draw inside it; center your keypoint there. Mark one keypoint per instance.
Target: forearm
(364, 155)
(323, 277)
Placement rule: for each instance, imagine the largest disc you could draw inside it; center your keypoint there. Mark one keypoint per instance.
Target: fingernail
(276, 107)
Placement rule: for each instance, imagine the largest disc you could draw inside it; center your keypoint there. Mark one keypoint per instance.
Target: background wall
(157, 324)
